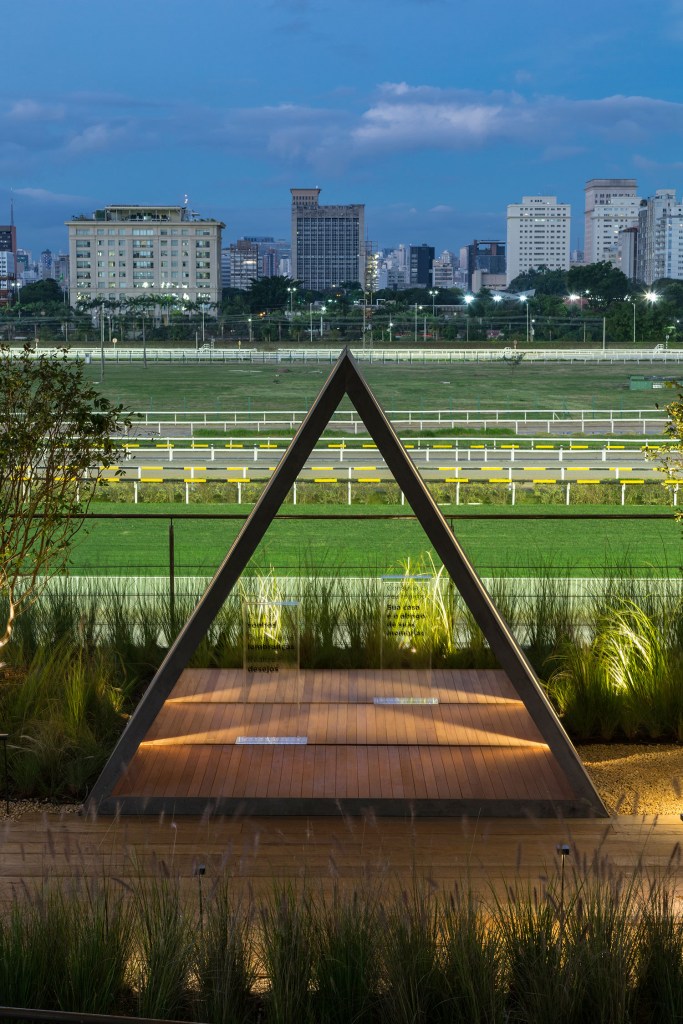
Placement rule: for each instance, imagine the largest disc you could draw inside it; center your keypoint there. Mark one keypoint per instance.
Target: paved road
(550, 462)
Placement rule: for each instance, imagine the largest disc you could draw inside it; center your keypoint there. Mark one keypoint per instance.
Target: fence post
(623, 494)
(294, 493)
(568, 489)
(171, 574)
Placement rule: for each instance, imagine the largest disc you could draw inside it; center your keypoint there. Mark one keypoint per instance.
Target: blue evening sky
(434, 113)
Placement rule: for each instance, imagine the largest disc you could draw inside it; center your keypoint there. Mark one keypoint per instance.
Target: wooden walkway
(324, 851)
(441, 742)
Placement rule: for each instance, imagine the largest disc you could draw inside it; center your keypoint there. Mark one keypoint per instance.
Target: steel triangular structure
(346, 379)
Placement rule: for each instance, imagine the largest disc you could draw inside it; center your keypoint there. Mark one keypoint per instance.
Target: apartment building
(538, 235)
(660, 237)
(121, 252)
(611, 206)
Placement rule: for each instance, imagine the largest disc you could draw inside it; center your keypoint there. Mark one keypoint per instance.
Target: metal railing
(383, 356)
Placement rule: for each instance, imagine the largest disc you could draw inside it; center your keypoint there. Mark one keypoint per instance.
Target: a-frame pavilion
(463, 742)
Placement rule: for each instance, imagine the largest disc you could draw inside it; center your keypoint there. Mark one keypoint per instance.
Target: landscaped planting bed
(612, 659)
(584, 948)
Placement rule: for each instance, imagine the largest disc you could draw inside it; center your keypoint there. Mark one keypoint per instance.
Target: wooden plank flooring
(323, 852)
(475, 742)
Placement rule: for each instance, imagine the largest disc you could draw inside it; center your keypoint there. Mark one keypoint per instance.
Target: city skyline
(431, 117)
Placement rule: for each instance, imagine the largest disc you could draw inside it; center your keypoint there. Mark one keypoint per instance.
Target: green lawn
(457, 386)
(511, 546)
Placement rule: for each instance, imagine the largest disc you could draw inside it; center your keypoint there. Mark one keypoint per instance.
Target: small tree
(669, 457)
(55, 432)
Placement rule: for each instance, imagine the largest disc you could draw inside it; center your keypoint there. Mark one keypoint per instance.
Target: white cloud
(30, 110)
(43, 195)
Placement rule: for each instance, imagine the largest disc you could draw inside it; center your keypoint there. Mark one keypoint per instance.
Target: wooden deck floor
(324, 851)
(219, 738)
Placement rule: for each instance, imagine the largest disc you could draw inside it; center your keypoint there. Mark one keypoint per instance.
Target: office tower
(660, 237)
(443, 270)
(611, 206)
(327, 241)
(627, 253)
(121, 252)
(8, 268)
(244, 264)
(8, 276)
(486, 260)
(538, 233)
(421, 259)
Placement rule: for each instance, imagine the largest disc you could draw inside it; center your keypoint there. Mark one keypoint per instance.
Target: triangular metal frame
(345, 379)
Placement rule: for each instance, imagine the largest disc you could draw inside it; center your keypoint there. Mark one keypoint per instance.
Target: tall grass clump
(225, 966)
(413, 990)
(66, 949)
(600, 951)
(164, 948)
(532, 957)
(471, 972)
(659, 957)
(287, 945)
(347, 941)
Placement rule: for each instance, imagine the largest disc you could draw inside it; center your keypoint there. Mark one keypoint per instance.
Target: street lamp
(467, 299)
(251, 336)
(416, 311)
(310, 320)
(291, 300)
(390, 329)
(632, 303)
(322, 310)
(433, 292)
(525, 300)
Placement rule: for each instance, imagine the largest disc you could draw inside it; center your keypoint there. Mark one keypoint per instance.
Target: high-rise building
(244, 264)
(327, 241)
(488, 257)
(122, 251)
(627, 253)
(538, 233)
(274, 255)
(611, 206)
(443, 270)
(8, 275)
(660, 237)
(421, 260)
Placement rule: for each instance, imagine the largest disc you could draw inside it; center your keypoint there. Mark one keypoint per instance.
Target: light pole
(416, 311)
(433, 292)
(322, 310)
(468, 299)
(631, 302)
(251, 334)
(102, 340)
(525, 300)
(390, 329)
(291, 300)
(310, 320)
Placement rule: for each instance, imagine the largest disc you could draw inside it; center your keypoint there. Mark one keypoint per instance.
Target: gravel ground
(637, 779)
(631, 779)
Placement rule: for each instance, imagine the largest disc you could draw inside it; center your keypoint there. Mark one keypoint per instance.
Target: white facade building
(538, 235)
(443, 270)
(611, 206)
(121, 252)
(660, 237)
